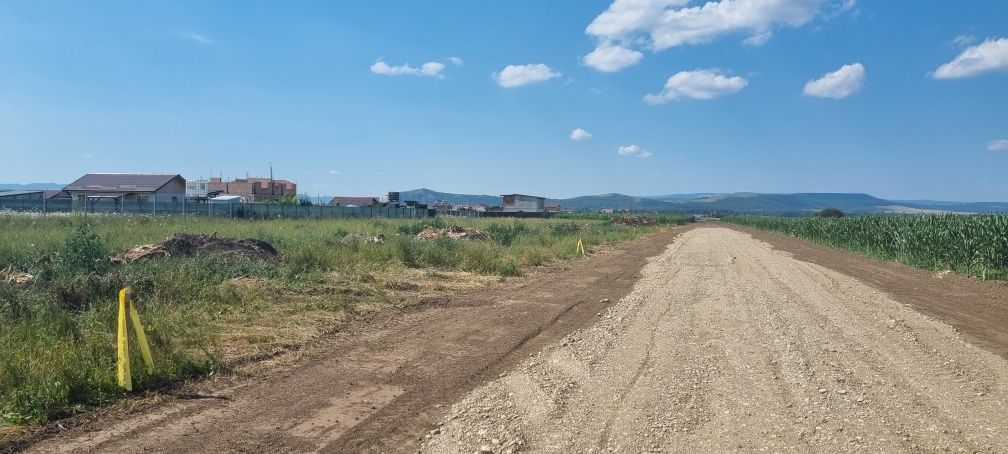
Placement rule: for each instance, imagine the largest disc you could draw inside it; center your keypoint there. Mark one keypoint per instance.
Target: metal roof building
(128, 186)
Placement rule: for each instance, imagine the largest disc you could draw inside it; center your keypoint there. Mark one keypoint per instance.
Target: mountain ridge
(740, 203)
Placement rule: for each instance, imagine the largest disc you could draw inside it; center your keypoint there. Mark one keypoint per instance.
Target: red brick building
(253, 189)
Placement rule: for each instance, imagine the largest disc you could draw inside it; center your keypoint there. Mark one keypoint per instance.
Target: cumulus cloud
(580, 134)
(429, 69)
(998, 145)
(633, 150)
(455, 61)
(661, 24)
(988, 56)
(838, 84)
(518, 75)
(611, 58)
(700, 84)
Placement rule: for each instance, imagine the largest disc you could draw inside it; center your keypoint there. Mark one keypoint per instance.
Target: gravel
(726, 345)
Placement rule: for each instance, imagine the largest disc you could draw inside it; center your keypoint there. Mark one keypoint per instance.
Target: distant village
(122, 189)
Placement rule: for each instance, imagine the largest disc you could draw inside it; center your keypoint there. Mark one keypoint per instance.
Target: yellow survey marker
(580, 248)
(124, 376)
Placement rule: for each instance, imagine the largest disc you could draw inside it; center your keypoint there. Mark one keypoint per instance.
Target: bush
(565, 229)
(84, 252)
(503, 234)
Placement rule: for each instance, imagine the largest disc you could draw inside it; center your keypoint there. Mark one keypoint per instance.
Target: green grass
(57, 349)
(975, 245)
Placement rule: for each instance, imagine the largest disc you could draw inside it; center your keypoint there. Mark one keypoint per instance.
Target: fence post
(155, 204)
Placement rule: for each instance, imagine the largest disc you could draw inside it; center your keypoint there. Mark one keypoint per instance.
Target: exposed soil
(726, 345)
(454, 232)
(387, 379)
(182, 244)
(636, 219)
(975, 308)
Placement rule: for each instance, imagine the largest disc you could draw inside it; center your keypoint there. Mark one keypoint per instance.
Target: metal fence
(188, 208)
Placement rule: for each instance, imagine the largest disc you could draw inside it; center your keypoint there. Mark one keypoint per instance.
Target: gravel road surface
(726, 345)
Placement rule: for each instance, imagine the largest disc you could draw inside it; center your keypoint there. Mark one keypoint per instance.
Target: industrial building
(520, 203)
(36, 194)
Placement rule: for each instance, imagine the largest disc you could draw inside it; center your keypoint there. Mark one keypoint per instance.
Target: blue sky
(916, 107)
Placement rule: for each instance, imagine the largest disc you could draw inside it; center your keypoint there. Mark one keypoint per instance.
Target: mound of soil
(454, 232)
(184, 244)
(636, 219)
(360, 238)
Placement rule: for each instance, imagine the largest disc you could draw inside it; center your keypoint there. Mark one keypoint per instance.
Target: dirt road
(386, 380)
(726, 345)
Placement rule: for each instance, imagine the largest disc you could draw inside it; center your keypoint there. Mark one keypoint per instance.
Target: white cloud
(518, 75)
(758, 39)
(998, 145)
(988, 56)
(580, 134)
(429, 69)
(609, 58)
(334, 172)
(202, 39)
(455, 61)
(700, 84)
(964, 40)
(661, 24)
(633, 150)
(838, 84)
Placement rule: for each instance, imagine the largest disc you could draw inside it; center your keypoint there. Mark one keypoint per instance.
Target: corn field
(976, 245)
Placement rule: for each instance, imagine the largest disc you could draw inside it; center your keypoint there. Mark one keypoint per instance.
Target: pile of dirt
(454, 232)
(636, 219)
(184, 244)
(361, 238)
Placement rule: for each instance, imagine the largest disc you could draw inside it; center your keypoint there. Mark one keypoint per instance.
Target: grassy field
(57, 349)
(974, 245)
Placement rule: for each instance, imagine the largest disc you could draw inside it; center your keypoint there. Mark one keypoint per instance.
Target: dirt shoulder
(377, 385)
(977, 309)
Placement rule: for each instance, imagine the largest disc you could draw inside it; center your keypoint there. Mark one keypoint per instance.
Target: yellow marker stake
(141, 338)
(125, 380)
(126, 303)
(580, 248)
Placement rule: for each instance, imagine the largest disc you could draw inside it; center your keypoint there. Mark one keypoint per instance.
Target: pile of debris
(454, 232)
(184, 244)
(356, 238)
(16, 278)
(636, 219)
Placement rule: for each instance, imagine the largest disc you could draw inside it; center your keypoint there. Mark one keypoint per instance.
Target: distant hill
(786, 203)
(30, 186)
(739, 203)
(424, 195)
(615, 201)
